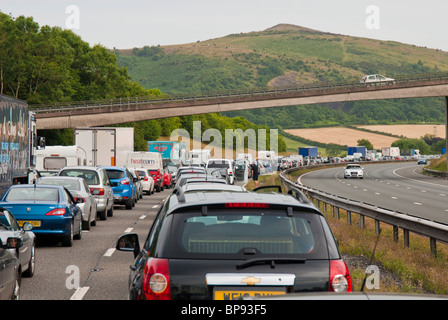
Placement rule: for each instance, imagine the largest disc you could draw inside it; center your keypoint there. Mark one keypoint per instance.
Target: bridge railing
(227, 95)
(435, 231)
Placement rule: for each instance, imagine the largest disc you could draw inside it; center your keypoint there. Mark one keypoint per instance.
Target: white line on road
(155, 206)
(418, 203)
(79, 293)
(394, 198)
(109, 252)
(128, 230)
(142, 217)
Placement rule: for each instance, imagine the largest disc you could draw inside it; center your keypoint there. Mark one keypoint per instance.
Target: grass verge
(414, 268)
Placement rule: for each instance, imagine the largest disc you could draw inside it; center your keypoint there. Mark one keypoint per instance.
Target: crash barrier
(433, 230)
(443, 174)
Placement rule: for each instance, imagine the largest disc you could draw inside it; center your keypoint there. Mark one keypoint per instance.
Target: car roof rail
(275, 186)
(180, 194)
(299, 195)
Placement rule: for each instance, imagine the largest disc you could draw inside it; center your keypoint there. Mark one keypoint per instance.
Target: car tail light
(97, 191)
(125, 182)
(247, 205)
(56, 212)
(146, 178)
(340, 280)
(156, 280)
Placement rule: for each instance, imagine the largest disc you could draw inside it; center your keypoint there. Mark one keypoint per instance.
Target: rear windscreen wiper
(272, 261)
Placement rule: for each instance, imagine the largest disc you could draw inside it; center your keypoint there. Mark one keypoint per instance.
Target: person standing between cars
(254, 168)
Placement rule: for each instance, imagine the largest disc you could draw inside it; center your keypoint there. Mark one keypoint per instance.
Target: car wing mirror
(128, 242)
(13, 243)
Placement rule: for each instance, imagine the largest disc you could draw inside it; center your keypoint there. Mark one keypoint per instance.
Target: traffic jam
(210, 239)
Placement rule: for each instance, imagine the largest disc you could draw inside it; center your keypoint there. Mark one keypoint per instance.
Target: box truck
(105, 146)
(358, 149)
(18, 141)
(152, 162)
(53, 158)
(311, 152)
(390, 151)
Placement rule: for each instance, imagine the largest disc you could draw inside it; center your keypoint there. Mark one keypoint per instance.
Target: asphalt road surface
(395, 186)
(91, 269)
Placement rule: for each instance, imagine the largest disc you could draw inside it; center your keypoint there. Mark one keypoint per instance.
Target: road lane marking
(79, 293)
(418, 203)
(394, 198)
(109, 252)
(155, 206)
(128, 230)
(142, 217)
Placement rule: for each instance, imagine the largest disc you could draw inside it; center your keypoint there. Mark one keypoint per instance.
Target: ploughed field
(349, 137)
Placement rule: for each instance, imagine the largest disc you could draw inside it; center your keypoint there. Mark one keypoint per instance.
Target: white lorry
(105, 146)
(150, 161)
(54, 158)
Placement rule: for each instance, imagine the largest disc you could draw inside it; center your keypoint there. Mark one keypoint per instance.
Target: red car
(167, 179)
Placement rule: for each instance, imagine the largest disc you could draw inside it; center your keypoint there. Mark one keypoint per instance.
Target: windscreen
(33, 194)
(232, 234)
(71, 185)
(115, 174)
(90, 176)
(218, 164)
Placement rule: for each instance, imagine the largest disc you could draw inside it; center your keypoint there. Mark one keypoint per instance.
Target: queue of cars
(215, 240)
(60, 206)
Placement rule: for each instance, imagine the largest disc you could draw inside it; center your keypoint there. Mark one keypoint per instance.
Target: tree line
(42, 64)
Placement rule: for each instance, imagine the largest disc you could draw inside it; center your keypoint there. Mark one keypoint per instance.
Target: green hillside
(288, 55)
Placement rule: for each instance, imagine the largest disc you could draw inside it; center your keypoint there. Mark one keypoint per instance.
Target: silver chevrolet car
(99, 185)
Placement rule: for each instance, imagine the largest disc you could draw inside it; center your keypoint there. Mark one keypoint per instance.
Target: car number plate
(34, 223)
(234, 293)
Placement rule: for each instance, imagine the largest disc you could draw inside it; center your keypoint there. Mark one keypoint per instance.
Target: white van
(54, 158)
(150, 161)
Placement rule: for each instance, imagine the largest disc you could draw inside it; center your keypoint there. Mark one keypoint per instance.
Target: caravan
(53, 158)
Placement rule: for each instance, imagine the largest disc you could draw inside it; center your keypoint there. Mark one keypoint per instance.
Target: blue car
(123, 185)
(51, 210)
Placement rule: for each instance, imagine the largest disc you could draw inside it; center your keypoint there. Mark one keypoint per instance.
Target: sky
(136, 23)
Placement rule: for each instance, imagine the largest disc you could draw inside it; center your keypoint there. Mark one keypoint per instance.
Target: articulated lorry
(18, 142)
(105, 146)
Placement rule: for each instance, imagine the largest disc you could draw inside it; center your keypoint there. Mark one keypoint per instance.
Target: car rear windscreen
(230, 233)
(90, 176)
(115, 174)
(33, 194)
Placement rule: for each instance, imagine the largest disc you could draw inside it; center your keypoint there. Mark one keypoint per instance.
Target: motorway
(91, 264)
(395, 186)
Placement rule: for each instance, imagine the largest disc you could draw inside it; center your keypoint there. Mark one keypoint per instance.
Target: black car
(226, 245)
(10, 276)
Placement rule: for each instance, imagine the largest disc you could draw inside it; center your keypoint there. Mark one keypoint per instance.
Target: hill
(286, 55)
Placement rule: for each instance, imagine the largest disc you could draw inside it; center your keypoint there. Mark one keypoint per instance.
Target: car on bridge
(353, 171)
(225, 245)
(376, 79)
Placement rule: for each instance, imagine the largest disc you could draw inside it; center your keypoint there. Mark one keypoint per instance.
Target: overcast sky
(135, 23)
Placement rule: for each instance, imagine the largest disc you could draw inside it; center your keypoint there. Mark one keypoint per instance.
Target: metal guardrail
(228, 95)
(433, 230)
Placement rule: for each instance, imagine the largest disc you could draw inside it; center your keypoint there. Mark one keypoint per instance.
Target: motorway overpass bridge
(104, 113)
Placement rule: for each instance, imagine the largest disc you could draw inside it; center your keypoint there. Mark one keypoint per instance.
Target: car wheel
(31, 265)
(16, 292)
(79, 235)
(110, 212)
(67, 240)
(128, 204)
(102, 215)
